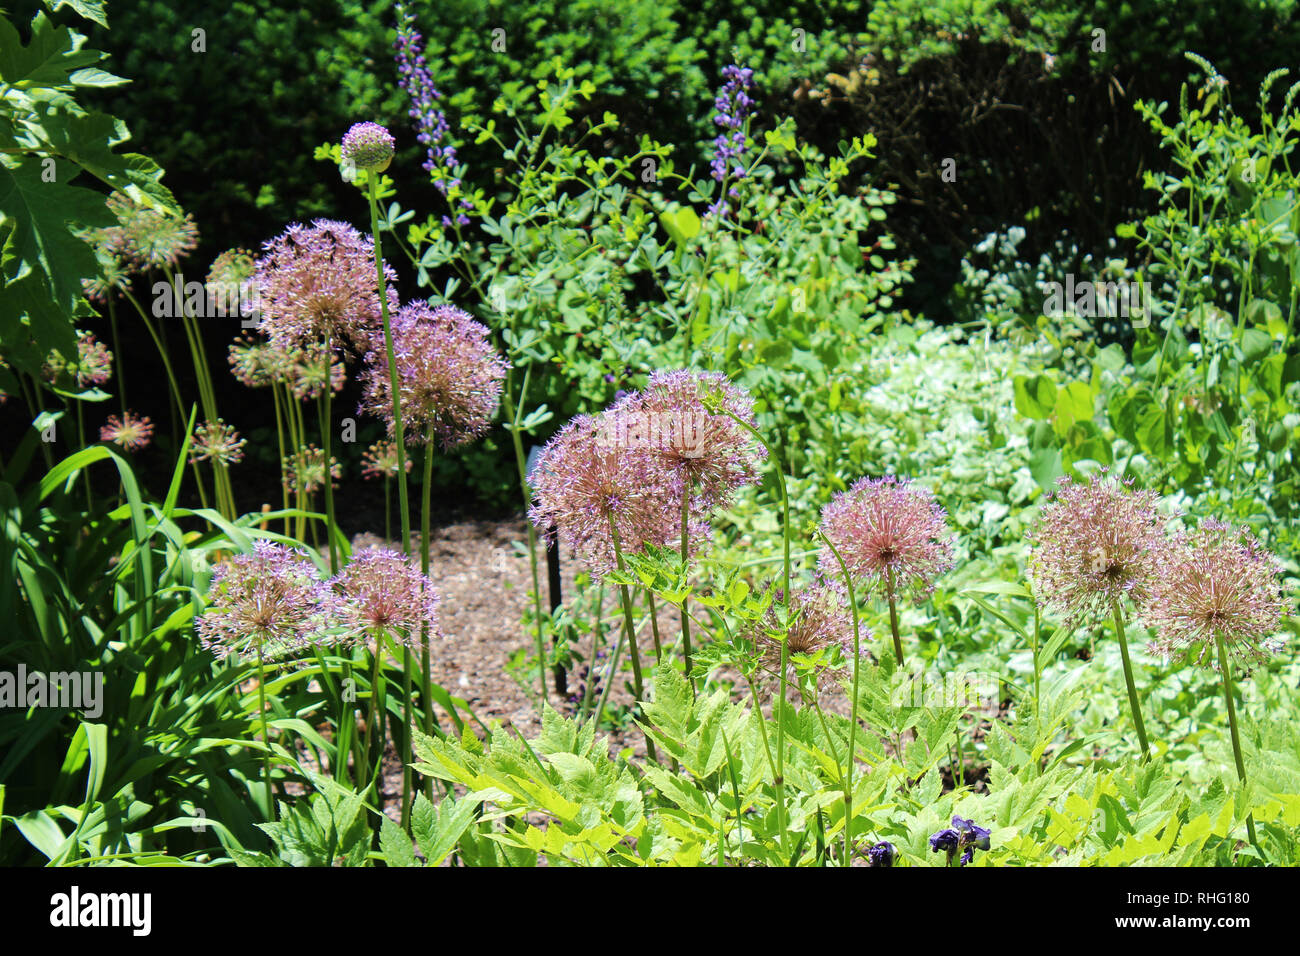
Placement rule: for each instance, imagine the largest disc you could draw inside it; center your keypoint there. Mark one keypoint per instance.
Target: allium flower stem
(515, 414)
(1225, 671)
(654, 625)
(615, 659)
(404, 503)
(326, 428)
(1128, 680)
(893, 616)
(686, 566)
(117, 350)
(376, 716)
(279, 437)
(853, 713)
(426, 664)
(166, 360)
(631, 634)
(266, 733)
(786, 596)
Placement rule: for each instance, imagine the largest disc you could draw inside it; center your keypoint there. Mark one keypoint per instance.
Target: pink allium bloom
(380, 460)
(270, 600)
(1095, 545)
(94, 365)
(307, 466)
(582, 483)
(217, 442)
(381, 589)
(449, 373)
(819, 621)
(129, 432)
(1217, 581)
(319, 282)
(368, 146)
(892, 535)
(709, 452)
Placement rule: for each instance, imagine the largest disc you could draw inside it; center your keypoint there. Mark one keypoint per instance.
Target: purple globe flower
(319, 283)
(449, 373)
(963, 835)
(891, 534)
(368, 146)
(589, 487)
(1217, 582)
(270, 601)
(381, 590)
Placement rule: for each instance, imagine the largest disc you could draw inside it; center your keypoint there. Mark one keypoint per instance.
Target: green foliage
(47, 140)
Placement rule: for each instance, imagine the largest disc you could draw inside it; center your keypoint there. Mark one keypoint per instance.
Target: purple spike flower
(317, 282)
(892, 534)
(430, 121)
(449, 373)
(270, 601)
(732, 105)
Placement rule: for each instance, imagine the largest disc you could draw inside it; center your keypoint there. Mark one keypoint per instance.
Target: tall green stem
(779, 471)
(426, 664)
(266, 733)
(1226, 671)
(853, 719)
(893, 615)
(1128, 680)
(631, 633)
(404, 504)
(515, 413)
(686, 571)
(326, 430)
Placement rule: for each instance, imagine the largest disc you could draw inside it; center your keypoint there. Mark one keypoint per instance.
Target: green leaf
(1035, 397)
(89, 9)
(395, 845)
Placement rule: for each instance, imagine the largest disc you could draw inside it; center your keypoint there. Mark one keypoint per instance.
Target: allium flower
(732, 106)
(318, 282)
(129, 432)
(1217, 581)
(1095, 545)
(819, 622)
(882, 854)
(151, 239)
(380, 460)
(115, 270)
(582, 483)
(368, 146)
(710, 453)
(449, 373)
(891, 534)
(257, 363)
(306, 466)
(964, 835)
(431, 122)
(270, 600)
(230, 284)
(94, 365)
(307, 369)
(384, 590)
(217, 442)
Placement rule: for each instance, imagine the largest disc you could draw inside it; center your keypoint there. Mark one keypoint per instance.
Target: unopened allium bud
(368, 146)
